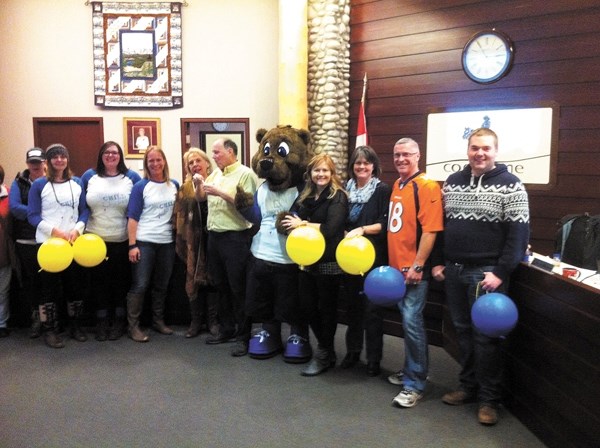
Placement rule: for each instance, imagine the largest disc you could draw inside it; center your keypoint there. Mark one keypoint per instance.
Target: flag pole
(364, 93)
(362, 137)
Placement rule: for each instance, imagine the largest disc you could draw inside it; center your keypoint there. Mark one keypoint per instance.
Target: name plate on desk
(543, 265)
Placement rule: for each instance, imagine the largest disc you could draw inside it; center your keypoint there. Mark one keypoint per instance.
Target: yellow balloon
(305, 245)
(355, 255)
(55, 255)
(89, 250)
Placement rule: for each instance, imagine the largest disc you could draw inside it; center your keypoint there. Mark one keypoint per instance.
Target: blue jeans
(416, 351)
(480, 356)
(156, 264)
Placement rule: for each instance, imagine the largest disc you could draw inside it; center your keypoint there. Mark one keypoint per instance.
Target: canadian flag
(362, 138)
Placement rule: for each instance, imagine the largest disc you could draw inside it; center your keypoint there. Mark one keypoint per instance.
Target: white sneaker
(396, 378)
(407, 398)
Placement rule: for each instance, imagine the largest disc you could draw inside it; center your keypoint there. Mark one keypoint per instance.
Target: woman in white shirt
(108, 188)
(57, 208)
(151, 242)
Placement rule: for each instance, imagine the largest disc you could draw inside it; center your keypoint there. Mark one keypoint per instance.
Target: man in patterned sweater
(486, 235)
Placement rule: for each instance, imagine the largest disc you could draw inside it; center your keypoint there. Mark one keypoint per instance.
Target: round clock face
(487, 56)
(220, 127)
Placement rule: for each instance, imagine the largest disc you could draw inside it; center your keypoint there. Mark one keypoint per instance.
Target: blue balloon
(494, 314)
(384, 286)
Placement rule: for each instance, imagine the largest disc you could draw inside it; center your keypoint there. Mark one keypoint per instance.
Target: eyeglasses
(110, 153)
(405, 155)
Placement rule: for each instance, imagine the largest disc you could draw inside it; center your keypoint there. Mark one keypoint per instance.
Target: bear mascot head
(282, 156)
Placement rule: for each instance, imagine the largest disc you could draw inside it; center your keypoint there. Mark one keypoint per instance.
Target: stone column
(329, 78)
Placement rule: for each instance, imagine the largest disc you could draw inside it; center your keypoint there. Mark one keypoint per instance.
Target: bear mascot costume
(272, 281)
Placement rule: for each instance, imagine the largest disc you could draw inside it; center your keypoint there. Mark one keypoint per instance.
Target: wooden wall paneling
(411, 52)
(457, 14)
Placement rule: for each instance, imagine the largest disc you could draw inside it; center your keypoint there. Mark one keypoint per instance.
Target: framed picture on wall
(139, 134)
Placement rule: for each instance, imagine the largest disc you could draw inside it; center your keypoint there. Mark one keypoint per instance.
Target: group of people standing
(471, 233)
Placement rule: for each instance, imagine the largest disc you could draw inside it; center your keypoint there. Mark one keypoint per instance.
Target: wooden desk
(553, 358)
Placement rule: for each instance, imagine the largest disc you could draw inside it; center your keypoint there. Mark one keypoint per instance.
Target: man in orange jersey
(415, 218)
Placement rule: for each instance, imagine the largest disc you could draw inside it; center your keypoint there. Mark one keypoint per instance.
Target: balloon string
(477, 290)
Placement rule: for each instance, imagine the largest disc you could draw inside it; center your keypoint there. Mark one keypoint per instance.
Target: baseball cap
(35, 155)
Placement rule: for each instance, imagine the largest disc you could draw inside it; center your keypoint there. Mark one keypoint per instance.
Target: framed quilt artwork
(137, 54)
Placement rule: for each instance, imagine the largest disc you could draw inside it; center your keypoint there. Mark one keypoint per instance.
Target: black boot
(350, 360)
(36, 325)
(47, 314)
(196, 322)
(135, 302)
(118, 326)
(75, 310)
(158, 311)
(102, 326)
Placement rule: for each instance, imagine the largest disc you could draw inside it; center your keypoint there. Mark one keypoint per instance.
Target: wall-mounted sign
(526, 141)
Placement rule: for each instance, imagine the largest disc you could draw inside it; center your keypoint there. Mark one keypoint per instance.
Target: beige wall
(230, 69)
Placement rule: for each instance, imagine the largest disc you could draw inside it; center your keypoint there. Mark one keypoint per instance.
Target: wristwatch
(418, 268)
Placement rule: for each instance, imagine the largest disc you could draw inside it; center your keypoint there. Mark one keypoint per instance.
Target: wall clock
(488, 56)
(220, 127)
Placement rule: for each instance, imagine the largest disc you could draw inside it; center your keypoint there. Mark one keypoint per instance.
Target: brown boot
(137, 334)
(135, 302)
(160, 326)
(212, 305)
(158, 311)
(47, 313)
(196, 315)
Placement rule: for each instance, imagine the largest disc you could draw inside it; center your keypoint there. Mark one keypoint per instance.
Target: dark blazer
(376, 211)
(330, 213)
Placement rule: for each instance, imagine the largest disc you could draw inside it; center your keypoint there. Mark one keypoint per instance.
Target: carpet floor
(178, 392)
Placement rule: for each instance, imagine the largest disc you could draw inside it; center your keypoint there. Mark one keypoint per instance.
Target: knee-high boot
(135, 303)
(196, 322)
(212, 306)
(158, 312)
(75, 310)
(48, 318)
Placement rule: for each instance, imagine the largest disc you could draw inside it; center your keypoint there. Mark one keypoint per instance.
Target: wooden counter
(553, 358)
